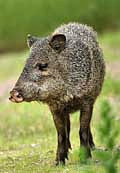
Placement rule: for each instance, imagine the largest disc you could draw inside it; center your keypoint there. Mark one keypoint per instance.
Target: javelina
(66, 71)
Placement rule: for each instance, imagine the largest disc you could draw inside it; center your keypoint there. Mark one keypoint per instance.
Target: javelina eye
(41, 66)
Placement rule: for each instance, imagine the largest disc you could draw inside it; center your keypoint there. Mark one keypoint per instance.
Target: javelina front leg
(67, 128)
(91, 142)
(86, 139)
(62, 123)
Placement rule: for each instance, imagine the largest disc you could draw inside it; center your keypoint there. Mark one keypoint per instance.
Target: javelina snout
(15, 96)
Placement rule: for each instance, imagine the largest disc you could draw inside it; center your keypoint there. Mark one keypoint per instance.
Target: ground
(28, 136)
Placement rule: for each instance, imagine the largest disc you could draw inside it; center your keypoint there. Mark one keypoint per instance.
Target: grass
(11, 65)
(110, 44)
(111, 86)
(27, 133)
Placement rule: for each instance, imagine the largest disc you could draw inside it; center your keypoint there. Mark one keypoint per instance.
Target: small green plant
(108, 134)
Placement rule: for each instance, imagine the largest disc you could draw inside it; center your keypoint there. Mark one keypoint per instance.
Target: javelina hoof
(60, 162)
(60, 158)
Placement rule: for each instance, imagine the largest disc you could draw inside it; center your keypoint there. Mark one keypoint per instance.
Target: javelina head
(41, 77)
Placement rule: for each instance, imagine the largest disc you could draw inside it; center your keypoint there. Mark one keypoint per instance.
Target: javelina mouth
(15, 96)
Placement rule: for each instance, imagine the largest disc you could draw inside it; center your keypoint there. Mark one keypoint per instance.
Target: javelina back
(66, 71)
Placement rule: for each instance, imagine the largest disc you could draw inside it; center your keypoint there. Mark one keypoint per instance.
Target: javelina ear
(58, 42)
(31, 40)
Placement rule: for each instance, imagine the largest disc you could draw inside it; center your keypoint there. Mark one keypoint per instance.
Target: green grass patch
(110, 44)
(11, 65)
(111, 86)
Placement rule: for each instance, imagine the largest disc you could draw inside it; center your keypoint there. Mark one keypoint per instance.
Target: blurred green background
(39, 17)
(27, 133)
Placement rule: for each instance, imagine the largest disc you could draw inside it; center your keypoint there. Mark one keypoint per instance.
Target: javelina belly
(65, 70)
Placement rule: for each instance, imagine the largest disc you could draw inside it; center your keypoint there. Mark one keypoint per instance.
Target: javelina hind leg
(62, 123)
(86, 139)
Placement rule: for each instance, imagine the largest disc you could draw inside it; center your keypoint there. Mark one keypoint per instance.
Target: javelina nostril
(15, 96)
